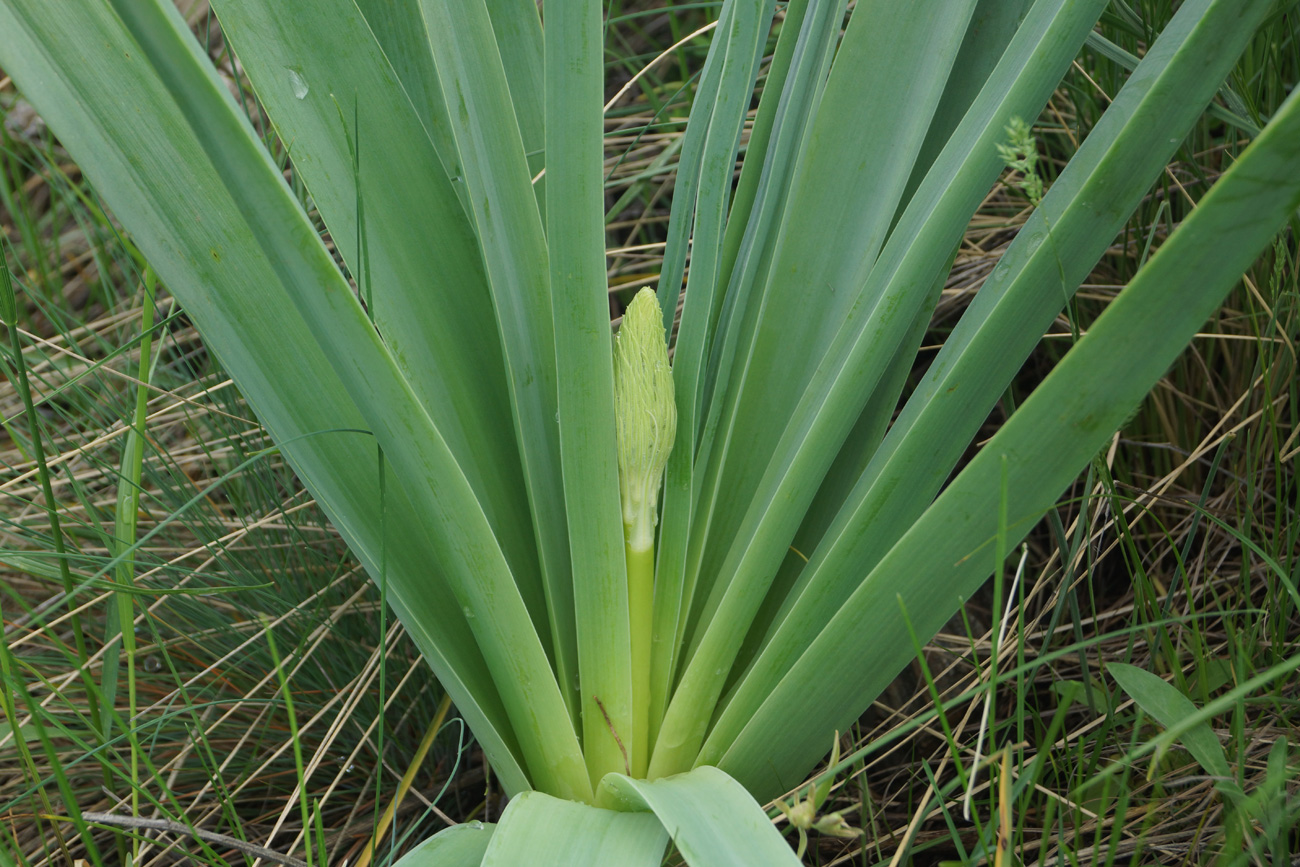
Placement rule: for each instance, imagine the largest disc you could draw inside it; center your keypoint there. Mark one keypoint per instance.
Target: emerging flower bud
(645, 413)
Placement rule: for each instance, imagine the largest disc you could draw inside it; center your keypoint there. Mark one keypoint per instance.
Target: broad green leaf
(512, 239)
(228, 289)
(849, 464)
(457, 846)
(860, 355)
(753, 172)
(540, 831)
(992, 25)
(675, 517)
(853, 166)
(1076, 409)
(1169, 706)
(775, 160)
(399, 30)
(479, 571)
(1053, 254)
(1109, 49)
(430, 301)
(518, 31)
(246, 304)
(710, 818)
(585, 377)
(704, 185)
(784, 108)
(687, 180)
(476, 367)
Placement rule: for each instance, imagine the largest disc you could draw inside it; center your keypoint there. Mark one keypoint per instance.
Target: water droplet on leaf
(297, 83)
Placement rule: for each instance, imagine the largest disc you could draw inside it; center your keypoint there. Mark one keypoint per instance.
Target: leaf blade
(1121, 156)
(710, 817)
(457, 846)
(858, 357)
(585, 377)
(1076, 408)
(430, 301)
(542, 831)
(1163, 701)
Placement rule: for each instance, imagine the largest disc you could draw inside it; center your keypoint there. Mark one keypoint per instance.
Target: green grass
(1173, 554)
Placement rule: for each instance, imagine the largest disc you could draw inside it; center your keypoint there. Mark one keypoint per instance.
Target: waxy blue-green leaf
(752, 230)
(710, 817)
(859, 357)
(458, 846)
(477, 568)
(519, 37)
(511, 236)
(499, 523)
(853, 166)
(585, 377)
(318, 75)
(148, 167)
(251, 211)
(538, 830)
(991, 27)
(1076, 409)
(704, 185)
(1058, 246)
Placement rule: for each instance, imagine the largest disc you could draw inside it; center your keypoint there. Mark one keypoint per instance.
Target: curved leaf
(710, 817)
(118, 121)
(1059, 244)
(1169, 707)
(1076, 409)
(540, 831)
(457, 846)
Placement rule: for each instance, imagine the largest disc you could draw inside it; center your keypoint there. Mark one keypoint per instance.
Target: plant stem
(640, 603)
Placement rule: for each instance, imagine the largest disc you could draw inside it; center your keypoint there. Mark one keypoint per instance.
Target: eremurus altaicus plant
(580, 638)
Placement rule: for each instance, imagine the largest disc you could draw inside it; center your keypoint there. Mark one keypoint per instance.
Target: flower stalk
(646, 419)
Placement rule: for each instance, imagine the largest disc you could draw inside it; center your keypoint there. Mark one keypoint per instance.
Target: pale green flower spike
(646, 418)
(646, 414)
